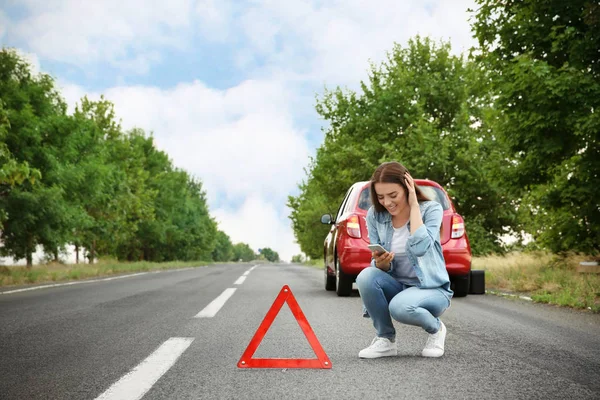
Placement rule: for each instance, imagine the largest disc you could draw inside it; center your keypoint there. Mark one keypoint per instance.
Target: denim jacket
(423, 247)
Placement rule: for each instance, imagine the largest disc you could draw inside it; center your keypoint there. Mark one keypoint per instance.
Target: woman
(408, 282)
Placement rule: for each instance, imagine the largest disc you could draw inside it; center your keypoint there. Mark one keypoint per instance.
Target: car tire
(461, 285)
(477, 285)
(343, 282)
(329, 281)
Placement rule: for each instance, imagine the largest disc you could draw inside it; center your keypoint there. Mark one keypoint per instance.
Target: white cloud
(259, 224)
(240, 142)
(215, 19)
(322, 41)
(71, 93)
(332, 42)
(122, 33)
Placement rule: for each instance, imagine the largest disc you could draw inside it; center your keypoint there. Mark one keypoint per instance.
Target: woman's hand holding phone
(383, 261)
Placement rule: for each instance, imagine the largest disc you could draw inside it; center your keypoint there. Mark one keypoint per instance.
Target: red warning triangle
(285, 296)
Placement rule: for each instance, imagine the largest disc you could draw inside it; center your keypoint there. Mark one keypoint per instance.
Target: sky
(227, 88)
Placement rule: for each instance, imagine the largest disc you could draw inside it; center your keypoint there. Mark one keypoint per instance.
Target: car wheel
(329, 281)
(461, 285)
(343, 282)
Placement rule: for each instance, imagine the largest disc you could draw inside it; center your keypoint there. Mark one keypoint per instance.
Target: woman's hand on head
(383, 261)
(412, 193)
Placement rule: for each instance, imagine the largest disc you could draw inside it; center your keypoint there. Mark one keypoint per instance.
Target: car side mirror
(326, 219)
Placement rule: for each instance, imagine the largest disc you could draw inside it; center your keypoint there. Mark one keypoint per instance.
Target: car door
(332, 236)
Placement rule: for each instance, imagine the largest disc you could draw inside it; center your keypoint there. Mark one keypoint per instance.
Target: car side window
(343, 205)
(364, 201)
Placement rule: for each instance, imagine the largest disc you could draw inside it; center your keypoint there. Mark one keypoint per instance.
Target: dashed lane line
(139, 380)
(213, 308)
(240, 280)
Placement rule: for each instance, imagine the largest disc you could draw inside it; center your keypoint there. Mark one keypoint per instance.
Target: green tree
(242, 251)
(181, 227)
(12, 173)
(306, 210)
(298, 258)
(269, 254)
(35, 123)
(427, 109)
(92, 179)
(546, 77)
(133, 201)
(223, 248)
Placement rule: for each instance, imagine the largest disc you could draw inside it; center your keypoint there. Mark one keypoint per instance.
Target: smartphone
(377, 247)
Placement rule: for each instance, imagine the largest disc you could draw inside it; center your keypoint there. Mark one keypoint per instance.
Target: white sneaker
(435, 343)
(380, 347)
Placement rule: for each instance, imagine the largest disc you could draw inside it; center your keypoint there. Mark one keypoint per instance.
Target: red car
(346, 252)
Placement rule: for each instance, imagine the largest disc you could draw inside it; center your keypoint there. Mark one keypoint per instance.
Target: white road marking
(93, 280)
(213, 308)
(71, 283)
(250, 270)
(244, 275)
(140, 379)
(509, 295)
(240, 280)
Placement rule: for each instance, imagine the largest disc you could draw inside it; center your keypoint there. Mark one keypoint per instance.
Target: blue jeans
(386, 298)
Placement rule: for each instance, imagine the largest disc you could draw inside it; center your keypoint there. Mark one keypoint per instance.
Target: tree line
(81, 179)
(510, 130)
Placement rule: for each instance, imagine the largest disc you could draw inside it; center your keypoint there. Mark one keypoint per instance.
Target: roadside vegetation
(542, 276)
(15, 276)
(56, 273)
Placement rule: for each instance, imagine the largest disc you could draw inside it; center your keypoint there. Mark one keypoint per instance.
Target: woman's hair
(391, 172)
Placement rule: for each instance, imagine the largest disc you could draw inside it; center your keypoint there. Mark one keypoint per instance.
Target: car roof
(361, 185)
(424, 182)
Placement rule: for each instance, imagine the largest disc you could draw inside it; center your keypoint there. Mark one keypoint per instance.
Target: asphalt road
(142, 336)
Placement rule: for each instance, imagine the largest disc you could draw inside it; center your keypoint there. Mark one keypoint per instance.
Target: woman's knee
(401, 311)
(367, 277)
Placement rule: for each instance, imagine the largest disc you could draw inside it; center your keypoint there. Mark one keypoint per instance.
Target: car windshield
(364, 201)
(436, 194)
(431, 192)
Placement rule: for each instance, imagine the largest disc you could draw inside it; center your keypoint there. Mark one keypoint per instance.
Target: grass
(318, 263)
(544, 277)
(52, 273)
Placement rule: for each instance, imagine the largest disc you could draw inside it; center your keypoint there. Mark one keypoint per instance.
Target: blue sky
(226, 87)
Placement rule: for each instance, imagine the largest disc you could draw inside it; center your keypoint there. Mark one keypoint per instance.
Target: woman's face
(392, 196)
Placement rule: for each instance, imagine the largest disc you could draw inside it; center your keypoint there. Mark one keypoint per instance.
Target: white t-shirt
(403, 270)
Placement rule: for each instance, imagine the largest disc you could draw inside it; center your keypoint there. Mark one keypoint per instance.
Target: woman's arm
(415, 218)
(424, 236)
(383, 263)
(415, 211)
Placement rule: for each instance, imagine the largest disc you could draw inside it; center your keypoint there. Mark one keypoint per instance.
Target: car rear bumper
(355, 259)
